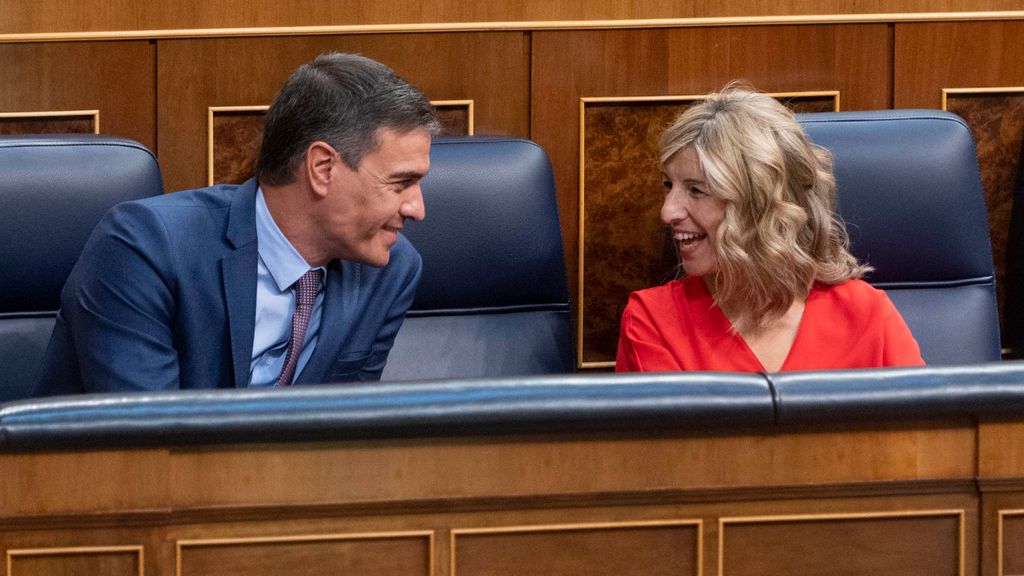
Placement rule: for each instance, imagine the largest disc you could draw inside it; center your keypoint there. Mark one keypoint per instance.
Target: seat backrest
(493, 299)
(911, 195)
(53, 191)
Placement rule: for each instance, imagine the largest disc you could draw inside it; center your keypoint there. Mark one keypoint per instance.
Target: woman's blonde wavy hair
(780, 233)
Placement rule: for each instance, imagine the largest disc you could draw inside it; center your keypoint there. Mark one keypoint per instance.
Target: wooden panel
(906, 544)
(112, 561)
(54, 77)
(649, 549)
(996, 118)
(194, 75)
(423, 470)
(55, 15)
(383, 554)
(80, 482)
(853, 60)
(1011, 542)
(624, 245)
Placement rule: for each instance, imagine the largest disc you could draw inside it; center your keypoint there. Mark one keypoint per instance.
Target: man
(298, 276)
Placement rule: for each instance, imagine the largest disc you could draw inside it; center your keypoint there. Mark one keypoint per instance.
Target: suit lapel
(238, 275)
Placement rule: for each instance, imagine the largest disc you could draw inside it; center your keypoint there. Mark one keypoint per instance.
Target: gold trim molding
(959, 514)
(95, 114)
(77, 551)
(515, 26)
(999, 537)
(947, 92)
(593, 526)
(584, 101)
(470, 111)
(330, 537)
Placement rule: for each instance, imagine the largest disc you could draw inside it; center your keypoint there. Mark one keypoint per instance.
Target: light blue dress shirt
(280, 266)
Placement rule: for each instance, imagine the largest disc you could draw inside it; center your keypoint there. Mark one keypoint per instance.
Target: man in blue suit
(297, 276)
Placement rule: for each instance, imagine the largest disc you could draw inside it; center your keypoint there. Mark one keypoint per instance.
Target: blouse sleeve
(900, 348)
(642, 347)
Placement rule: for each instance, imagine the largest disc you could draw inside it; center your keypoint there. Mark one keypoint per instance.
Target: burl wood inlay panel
(997, 123)
(44, 125)
(455, 119)
(908, 546)
(236, 144)
(625, 245)
(72, 563)
(237, 135)
(1013, 544)
(625, 551)
(385, 556)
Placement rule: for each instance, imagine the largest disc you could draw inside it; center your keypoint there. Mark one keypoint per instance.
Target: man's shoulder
(211, 197)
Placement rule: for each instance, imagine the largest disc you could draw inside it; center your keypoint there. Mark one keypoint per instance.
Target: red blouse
(678, 327)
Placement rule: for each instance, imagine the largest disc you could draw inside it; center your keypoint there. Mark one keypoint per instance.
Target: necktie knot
(306, 289)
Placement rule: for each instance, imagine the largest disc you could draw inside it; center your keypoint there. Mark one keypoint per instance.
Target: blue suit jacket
(164, 297)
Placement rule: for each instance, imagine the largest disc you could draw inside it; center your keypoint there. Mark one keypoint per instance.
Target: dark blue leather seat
(53, 191)
(493, 299)
(910, 193)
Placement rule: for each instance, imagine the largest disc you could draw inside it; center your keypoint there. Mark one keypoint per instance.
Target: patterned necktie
(306, 289)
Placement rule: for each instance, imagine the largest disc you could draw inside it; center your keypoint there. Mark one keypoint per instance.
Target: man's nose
(413, 206)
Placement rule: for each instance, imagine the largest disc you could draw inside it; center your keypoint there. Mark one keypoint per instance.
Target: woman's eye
(697, 192)
(667, 184)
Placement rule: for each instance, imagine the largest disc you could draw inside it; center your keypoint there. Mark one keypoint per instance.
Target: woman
(768, 281)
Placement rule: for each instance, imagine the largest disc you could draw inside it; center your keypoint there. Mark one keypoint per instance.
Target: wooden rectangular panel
(406, 554)
(568, 66)
(642, 549)
(911, 543)
(195, 75)
(112, 561)
(114, 78)
(1011, 542)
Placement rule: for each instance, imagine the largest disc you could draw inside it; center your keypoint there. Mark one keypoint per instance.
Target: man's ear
(321, 166)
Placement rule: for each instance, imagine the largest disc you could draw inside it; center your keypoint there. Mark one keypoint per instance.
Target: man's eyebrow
(407, 175)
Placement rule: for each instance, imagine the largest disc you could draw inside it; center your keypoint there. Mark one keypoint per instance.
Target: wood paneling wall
(937, 497)
(525, 80)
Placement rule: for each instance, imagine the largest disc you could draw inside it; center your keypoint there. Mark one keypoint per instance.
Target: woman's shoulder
(854, 294)
(691, 288)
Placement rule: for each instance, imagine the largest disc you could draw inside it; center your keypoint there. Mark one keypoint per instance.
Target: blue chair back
(493, 300)
(910, 193)
(53, 191)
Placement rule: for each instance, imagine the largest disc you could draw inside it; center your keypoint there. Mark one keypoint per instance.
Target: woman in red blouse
(769, 283)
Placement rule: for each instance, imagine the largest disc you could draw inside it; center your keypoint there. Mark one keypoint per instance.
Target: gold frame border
(212, 110)
(581, 527)
(946, 92)
(999, 537)
(516, 26)
(58, 114)
(471, 110)
(580, 364)
(333, 537)
(77, 550)
(959, 513)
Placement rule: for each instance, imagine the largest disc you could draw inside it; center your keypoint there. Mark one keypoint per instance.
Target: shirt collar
(282, 260)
